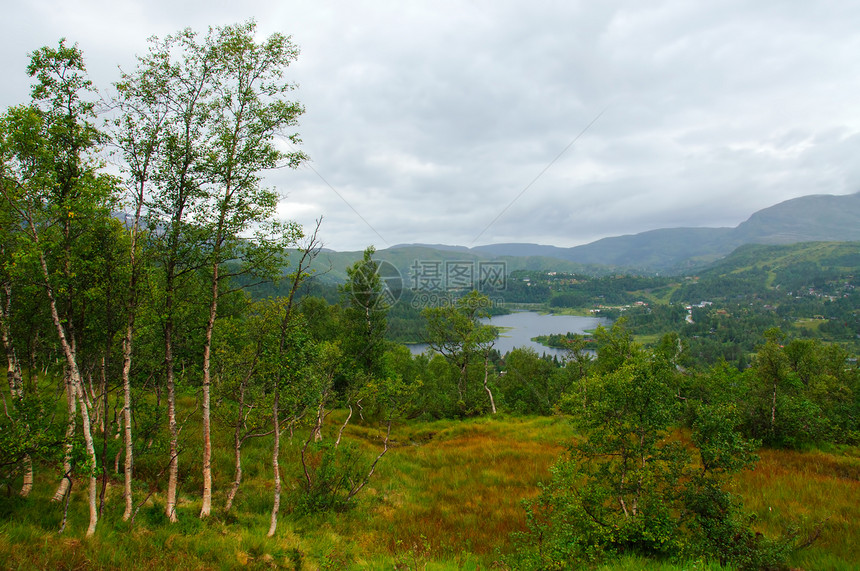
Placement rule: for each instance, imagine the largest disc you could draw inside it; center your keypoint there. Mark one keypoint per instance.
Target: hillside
(781, 258)
(330, 267)
(677, 250)
(805, 219)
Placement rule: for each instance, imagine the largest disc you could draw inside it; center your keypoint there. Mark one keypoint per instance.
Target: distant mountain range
(667, 250)
(806, 219)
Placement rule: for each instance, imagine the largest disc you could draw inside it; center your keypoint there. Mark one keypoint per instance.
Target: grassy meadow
(446, 496)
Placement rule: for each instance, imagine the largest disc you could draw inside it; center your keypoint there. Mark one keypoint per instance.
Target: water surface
(521, 326)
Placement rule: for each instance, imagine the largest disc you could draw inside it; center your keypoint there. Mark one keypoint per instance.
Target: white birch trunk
(486, 386)
(126, 417)
(206, 508)
(76, 385)
(276, 449)
(173, 470)
(71, 427)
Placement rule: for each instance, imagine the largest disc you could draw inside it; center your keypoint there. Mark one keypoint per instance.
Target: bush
(630, 489)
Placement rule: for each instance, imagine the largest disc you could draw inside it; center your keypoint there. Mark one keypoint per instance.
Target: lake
(521, 326)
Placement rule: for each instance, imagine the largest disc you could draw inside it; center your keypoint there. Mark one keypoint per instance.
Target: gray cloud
(429, 118)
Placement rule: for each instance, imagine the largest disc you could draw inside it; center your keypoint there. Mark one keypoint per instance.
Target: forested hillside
(679, 250)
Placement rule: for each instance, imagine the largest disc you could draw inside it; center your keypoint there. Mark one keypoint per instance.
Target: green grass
(446, 496)
(661, 294)
(804, 489)
(647, 339)
(575, 311)
(808, 323)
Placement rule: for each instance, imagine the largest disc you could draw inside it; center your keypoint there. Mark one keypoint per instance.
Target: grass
(446, 496)
(808, 323)
(790, 488)
(462, 489)
(578, 311)
(648, 339)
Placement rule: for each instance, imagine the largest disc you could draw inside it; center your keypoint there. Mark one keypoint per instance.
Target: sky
(479, 122)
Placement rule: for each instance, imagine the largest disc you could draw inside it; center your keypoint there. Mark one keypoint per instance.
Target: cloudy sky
(476, 122)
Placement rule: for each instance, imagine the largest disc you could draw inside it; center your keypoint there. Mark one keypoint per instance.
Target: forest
(177, 399)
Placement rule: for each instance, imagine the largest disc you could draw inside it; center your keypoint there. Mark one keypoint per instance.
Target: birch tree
(142, 112)
(456, 332)
(287, 354)
(240, 393)
(213, 109)
(248, 110)
(8, 267)
(52, 184)
(168, 92)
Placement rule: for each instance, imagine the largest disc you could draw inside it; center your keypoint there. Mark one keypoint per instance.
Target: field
(446, 496)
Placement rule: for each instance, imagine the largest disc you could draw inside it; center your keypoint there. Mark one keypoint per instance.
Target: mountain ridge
(811, 218)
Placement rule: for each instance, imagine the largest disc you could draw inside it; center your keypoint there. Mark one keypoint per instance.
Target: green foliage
(364, 318)
(439, 397)
(28, 430)
(531, 384)
(334, 472)
(801, 392)
(456, 332)
(628, 488)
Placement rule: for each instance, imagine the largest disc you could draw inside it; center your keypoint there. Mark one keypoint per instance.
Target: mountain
(815, 218)
(657, 250)
(775, 259)
(806, 219)
(812, 218)
(411, 260)
(523, 250)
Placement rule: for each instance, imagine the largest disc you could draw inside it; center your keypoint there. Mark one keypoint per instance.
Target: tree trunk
(357, 488)
(206, 509)
(486, 386)
(77, 390)
(343, 426)
(237, 479)
(71, 427)
(127, 346)
(173, 470)
(461, 386)
(276, 448)
(91, 452)
(237, 449)
(126, 416)
(104, 424)
(317, 432)
(27, 486)
(14, 376)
